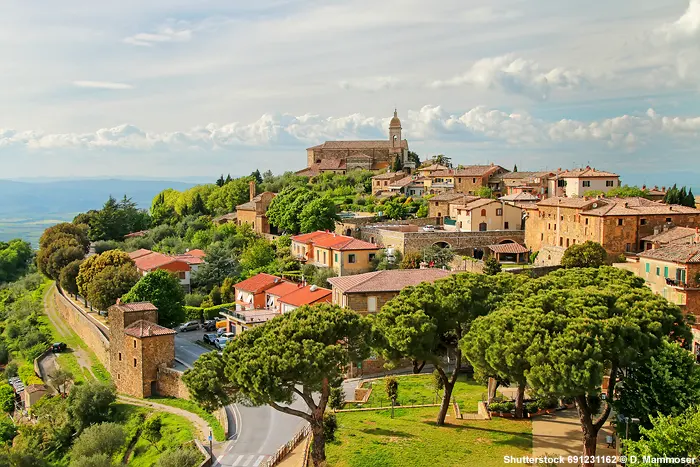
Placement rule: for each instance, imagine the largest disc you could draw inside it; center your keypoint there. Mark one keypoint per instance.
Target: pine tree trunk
(520, 401)
(588, 428)
(589, 447)
(445, 406)
(318, 450)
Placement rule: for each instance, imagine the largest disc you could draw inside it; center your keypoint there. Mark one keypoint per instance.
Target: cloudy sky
(181, 88)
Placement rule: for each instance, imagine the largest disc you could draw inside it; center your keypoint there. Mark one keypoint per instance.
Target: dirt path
(201, 424)
(65, 331)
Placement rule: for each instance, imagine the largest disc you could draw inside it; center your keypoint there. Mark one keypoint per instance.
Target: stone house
(469, 179)
(520, 199)
(484, 214)
(367, 293)
(430, 169)
(668, 233)
(254, 212)
(534, 183)
(345, 255)
(618, 224)
(439, 205)
(181, 266)
(575, 183)
(381, 182)
(138, 348)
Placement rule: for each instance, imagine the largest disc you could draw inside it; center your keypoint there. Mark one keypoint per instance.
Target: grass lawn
(176, 432)
(418, 390)
(217, 429)
(368, 439)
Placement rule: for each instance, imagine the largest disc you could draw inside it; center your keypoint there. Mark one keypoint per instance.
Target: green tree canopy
(437, 256)
(484, 192)
(299, 209)
(222, 262)
(670, 436)
(77, 231)
(491, 266)
(96, 263)
(584, 255)
(184, 457)
(105, 438)
(69, 275)
(426, 322)
(110, 284)
(627, 191)
(116, 219)
(302, 354)
(319, 214)
(259, 254)
(15, 256)
(163, 289)
(91, 403)
(394, 209)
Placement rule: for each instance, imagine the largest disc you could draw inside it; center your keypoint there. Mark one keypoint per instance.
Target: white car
(221, 342)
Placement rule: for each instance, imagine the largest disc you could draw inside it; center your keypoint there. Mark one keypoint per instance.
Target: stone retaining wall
(83, 326)
(170, 383)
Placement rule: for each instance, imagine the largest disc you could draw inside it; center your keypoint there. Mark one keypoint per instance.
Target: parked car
(189, 326)
(209, 325)
(58, 347)
(221, 342)
(209, 338)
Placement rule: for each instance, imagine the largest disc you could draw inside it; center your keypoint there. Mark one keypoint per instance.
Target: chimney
(251, 187)
(657, 230)
(119, 301)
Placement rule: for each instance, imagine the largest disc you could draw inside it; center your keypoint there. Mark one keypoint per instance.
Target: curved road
(257, 432)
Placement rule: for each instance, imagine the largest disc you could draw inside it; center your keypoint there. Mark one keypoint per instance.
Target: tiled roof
(433, 167)
(226, 217)
(334, 241)
(469, 171)
(402, 182)
(189, 259)
(508, 248)
(196, 252)
(35, 388)
(454, 196)
(140, 233)
(306, 296)
(676, 253)
(520, 175)
(258, 283)
(250, 205)
(143, 328)
(637, 207)
(522, 196)
(479, 203)
(359, 156)
(388, 176)
(136, 306)
(569, 202)
(331, 164)
(587, 172)
(156, 260)
(392, 280)
(673, 234)
(282, 289)
(140, 252)
(367, 144)
(308, 172)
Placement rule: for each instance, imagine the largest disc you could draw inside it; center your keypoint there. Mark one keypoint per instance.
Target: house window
(505, 225)
(567, 243)
(658, 271)
(561, 241)
(483, 213)
(586, 222)
(120, 356)
(628, 247)
(119, 376)
(134, 363)
(336, 257)
(181, 275)
(665, 271)
(587, 183)
(646, 268)
(351, 258)
(324, 256)
(499, 211)
(561, 183)
(459, 180)
(436, 203)
(642, 222)
(541, 236)
(608, 183)
(134, 343)
(372, 304)
(549, 226)
(372, 256)
(318, 256)
(473, 180)
(483, 227)
(619, 222)
(668, 219)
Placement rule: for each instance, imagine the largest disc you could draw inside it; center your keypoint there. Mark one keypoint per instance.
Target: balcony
(681, 285)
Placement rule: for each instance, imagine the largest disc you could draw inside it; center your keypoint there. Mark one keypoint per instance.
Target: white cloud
(687, 27)
(430, 123)
(173, 31)
(516, 75)
(102, 85)
(371, 84)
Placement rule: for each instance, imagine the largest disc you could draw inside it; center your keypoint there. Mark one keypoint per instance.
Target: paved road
(257, 432)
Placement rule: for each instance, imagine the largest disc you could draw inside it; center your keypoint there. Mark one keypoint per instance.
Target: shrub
(186, 457)
(336, 400)
(105, 438)
(330, 425)
(98, 460)
(7, 398)
(106, 245)
(504, 407)
(391, 386)
(11, 370)
(91, 403)
(8, 430)
(194, 299)
(547, 403)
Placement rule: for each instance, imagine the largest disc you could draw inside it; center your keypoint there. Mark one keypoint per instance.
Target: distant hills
(27, 208)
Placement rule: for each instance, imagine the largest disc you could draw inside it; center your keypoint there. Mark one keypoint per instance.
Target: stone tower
(395, 131)
(137, 347)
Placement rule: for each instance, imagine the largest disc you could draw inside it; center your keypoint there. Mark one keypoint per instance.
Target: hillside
(27, 208)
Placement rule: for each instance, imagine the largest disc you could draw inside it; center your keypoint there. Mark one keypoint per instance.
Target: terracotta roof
(140, 252)
(226, 217)
(143, 328)
(331, 164)
(196, 252)
(469, 171)
(140, 233)
(189, 259)
(402, 182)
(454, 196)
(508, 248)
(258, 283)
(587, 172)
(521, 175)
(32, 388)
(388, 175)
(359, 156)
(392, 280)
(569, 202)
(282, 289)
(308, 172)
(477, 203)
(334, 241)
(637, 207)
(136, 306)
(672, 235)
(155, 261)
(522, 196)
(366, 144)
(433, 167)
(306, 296)
(676, 253)
(250, 205)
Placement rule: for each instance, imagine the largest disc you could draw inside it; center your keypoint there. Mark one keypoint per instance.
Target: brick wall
(170, 383)
(86, 329)
(461, 242)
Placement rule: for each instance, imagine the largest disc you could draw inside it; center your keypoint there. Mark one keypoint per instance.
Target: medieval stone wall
(355, 225)
(461, 242)
(84, 327)
(170, 383)
(549, 256)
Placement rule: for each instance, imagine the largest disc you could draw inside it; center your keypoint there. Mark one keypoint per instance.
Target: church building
(345, 156)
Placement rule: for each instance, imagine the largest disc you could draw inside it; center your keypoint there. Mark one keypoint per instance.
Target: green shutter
(647, 267)
(665, 271)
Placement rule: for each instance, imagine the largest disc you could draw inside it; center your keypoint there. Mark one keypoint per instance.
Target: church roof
(395, 122)
(366, 144)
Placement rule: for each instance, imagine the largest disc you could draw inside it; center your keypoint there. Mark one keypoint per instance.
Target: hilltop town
(374, 293)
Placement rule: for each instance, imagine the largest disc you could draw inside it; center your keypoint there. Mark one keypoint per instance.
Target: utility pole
(211, 447)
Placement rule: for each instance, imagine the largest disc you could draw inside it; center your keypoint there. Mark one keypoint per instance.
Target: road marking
(250, 459)
(237, 463)
(258, 461)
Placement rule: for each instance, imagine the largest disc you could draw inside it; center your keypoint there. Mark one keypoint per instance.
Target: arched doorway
(348, 232)
(483, 227)
(442, 244)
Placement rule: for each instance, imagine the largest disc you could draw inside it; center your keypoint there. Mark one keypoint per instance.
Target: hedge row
(196, 312)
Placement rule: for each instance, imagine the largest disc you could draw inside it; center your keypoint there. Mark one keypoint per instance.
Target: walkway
(560, 434)
(198, 421)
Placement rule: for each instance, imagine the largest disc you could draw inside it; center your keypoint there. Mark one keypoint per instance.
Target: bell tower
(395, 131)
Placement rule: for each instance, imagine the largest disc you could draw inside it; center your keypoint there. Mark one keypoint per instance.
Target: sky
(175, 88)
